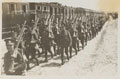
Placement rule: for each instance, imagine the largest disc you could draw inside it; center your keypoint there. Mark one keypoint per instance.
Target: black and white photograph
(59, 38)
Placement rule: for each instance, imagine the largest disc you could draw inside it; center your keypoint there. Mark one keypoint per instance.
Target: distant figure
(13, 65)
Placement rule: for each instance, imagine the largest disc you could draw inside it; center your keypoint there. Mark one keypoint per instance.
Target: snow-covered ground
(98, 58)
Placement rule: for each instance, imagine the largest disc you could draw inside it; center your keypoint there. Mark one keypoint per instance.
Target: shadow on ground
(53, 64)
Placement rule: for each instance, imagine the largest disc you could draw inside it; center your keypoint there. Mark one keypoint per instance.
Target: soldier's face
(10, 47)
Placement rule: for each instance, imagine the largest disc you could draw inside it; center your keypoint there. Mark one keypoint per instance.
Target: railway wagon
(14, 13)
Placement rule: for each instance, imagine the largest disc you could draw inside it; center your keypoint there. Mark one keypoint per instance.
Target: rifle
(75, 18)
(47, 19)
(14, 55)
(60, 21)
(50, 23)
(35, 25)
(19, 38)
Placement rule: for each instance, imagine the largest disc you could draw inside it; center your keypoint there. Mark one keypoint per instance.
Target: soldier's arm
(20, 61)
(70, 38)
(6, 64)
(36, 35)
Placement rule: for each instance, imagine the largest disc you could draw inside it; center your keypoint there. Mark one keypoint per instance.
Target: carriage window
(32, 6)
(24, 8)
(72, 12)
(45, 8)
(63, 10)
(38, 7)
(55, 10)
(12, 8)
(59, 11)
(66, 11)
(51, 10)
(69, 11)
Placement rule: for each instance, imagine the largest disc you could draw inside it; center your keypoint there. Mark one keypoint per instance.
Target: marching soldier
(55, 30)
(18, 28)
(14, 35)
(14, 66)
(41, 27)
(82, 35)
(33, 46)
(47, 42)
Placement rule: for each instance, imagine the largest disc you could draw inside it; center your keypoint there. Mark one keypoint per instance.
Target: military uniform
(47, 42)
(19, 65)
(82, 36)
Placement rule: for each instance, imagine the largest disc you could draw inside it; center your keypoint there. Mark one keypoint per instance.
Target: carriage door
(24, 8)
(55, 11)
(51, 11)
(11, 8)
(62, 12)
(32, 8)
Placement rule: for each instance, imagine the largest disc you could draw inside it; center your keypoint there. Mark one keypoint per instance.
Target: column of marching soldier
(64, 36)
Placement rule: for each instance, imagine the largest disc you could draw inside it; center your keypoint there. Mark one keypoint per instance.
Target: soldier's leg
(90, 35)
(33, 53)
(34, 56)
(55, 49)
(70, 51)
(75, 46)
(27, 53)
(37, 50)
(86, 39)
(58, 50)
(39, 54)
(93, 34)
(62, 55)
(66, 52)
(43, 50)
(82, 42)
(78, 45)
(46, 59)
(49, 50)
